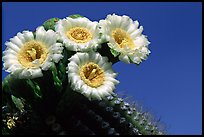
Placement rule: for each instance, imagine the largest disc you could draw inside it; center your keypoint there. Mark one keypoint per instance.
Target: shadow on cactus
(62, 82)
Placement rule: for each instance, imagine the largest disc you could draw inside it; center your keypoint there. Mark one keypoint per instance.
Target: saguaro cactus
(41, 107)
(50, 105)
(72, 113)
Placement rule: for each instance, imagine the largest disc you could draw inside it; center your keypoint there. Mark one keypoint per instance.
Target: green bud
(50, 23)
(76, 16)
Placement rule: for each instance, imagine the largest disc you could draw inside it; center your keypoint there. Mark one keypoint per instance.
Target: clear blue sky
(169, 83)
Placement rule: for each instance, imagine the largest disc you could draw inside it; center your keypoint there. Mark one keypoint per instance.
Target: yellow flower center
(122, 38)
(11, 123)
(92, 74)
(31, 51)
(79, 34)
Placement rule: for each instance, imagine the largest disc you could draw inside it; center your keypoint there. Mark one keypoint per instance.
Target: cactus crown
(49, 105)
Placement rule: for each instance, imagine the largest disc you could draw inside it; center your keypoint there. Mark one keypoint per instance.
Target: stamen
(79, 34)
(31, 51)
(92, 74)
(122, 38)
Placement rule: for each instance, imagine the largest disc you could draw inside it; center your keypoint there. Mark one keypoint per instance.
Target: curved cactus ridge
(42, 106)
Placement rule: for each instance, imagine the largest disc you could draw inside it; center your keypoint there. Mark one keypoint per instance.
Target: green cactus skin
(73, 113)
(105, 51)
(118, 115)
(108, 116)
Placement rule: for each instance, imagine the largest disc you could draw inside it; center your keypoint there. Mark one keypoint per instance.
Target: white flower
(78, 34)
(91, 75)
(124, 38)
(27, 55)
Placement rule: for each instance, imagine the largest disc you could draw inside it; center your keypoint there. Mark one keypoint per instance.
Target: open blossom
(26, 54)
(78, 34)
(124, 38)
(91, 75)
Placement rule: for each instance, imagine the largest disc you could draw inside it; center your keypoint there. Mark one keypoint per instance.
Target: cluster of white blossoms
(28, 54)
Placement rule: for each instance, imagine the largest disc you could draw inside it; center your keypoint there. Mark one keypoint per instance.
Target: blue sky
(168, 83)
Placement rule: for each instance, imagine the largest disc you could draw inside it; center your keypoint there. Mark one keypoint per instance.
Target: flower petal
(28, 36)
(12, 46)
(40, 34)
(35, 73)
(16, 41)
(124, 58)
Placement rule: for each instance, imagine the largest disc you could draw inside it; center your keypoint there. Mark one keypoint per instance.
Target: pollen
(122, 38)
(31, 51)
(79, 34)
(92, 74)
